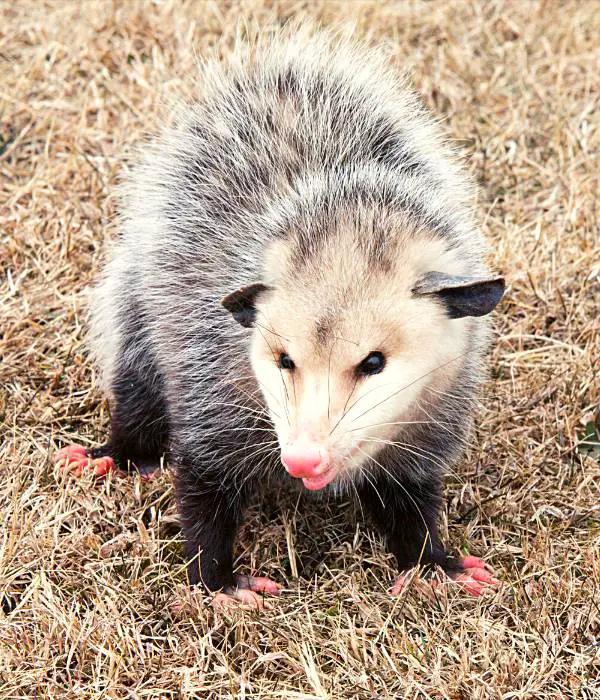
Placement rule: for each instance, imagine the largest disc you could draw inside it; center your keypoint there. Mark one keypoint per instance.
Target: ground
(89, 572)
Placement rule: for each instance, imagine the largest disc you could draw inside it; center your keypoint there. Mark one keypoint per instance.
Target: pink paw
(259, 584)
(243, 596)
(249, 592)
(475, 578)
(75, 460)
(401, 582)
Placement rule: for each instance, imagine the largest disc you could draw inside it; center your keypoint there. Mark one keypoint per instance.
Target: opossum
(299, 293)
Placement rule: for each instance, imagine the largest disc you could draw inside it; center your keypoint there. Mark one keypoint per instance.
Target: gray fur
(295, 133)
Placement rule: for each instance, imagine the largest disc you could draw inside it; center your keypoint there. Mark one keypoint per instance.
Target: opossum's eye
(373, 363)
(284, 361)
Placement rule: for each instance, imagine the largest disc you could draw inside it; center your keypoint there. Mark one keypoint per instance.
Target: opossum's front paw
(249, 591)
(241, 596)
(475, 577)
(258, 584)
(75, 460)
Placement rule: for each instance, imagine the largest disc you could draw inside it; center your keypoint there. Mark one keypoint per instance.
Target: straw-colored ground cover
(88, 571)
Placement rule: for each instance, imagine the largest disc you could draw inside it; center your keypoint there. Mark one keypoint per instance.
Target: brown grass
(88, 571)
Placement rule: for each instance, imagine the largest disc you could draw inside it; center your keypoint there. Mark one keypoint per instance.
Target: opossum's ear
(241, 303)
(462, 296)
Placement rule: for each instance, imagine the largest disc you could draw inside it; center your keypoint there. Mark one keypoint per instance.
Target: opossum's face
(344, 367)
(339, 386)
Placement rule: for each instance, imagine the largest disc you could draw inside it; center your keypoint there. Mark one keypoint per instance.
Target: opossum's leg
(408, 517)
(211, 515)
(139, 427)
(210, 520)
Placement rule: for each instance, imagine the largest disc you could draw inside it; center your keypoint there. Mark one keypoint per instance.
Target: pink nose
(302, 461)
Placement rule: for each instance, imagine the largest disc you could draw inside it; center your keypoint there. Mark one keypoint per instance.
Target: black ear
(462, 296)
(241, 303)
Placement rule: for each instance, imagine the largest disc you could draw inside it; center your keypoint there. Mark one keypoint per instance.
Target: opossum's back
(283, 116)
(288, 115)
(284, 111)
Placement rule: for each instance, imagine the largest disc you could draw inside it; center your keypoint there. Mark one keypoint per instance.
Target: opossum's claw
(75, 460)
(401, 582)
(474, 578)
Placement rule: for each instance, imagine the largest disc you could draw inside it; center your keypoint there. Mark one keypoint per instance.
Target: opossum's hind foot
(100, 461)
(77, 460)
(474, 576)
(249, 592)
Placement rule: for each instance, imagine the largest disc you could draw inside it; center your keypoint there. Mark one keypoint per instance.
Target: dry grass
(88, 571)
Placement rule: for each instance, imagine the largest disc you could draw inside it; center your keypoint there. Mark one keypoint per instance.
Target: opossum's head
(347, 340)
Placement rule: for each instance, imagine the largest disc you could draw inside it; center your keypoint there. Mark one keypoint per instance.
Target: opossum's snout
(308, 461)
(303, 460)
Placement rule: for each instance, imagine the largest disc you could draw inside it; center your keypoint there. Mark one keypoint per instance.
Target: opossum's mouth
(315, 483)
(316, 479)
(320, 477)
